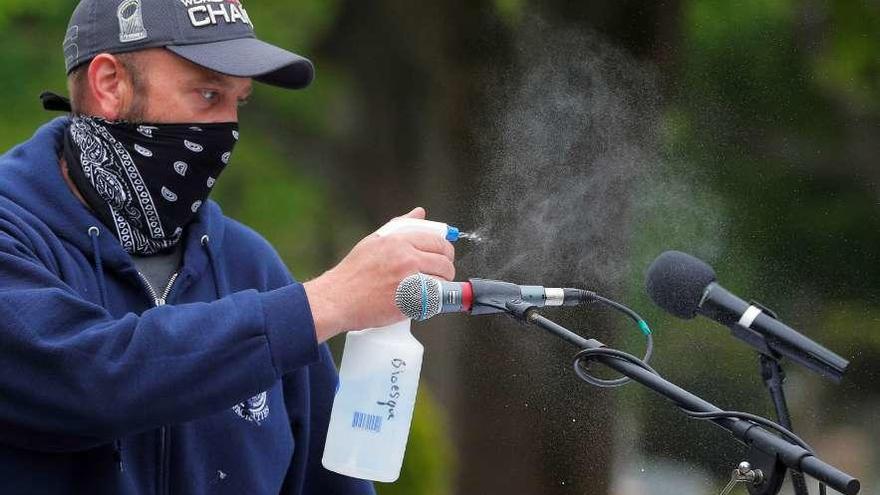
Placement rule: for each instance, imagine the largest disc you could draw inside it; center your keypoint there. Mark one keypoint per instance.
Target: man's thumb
(417, 212)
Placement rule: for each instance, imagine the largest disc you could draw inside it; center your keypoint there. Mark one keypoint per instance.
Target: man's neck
(66, 175)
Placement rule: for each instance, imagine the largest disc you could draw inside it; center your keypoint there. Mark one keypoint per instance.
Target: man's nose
(228, 113)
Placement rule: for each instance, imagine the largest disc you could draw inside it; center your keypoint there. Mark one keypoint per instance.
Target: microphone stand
(774, 377)
(766, 450)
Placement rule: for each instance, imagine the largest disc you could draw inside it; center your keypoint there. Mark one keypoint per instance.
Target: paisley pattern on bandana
(146, 181)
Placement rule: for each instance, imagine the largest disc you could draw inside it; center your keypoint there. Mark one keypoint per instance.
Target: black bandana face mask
(146, 181)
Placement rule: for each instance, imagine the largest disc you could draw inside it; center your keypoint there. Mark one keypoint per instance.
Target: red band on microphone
(467, 297)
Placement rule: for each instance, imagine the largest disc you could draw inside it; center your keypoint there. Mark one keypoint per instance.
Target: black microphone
(420, 297)
(685, 286)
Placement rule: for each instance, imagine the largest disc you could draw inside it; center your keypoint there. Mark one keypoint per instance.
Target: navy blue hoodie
(222, 390)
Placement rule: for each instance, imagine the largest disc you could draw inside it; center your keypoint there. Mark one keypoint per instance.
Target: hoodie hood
(34, 181)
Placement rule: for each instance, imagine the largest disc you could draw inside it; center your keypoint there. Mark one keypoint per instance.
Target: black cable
(581, 370)
(588, 354)
(620, 307)
(754, 419)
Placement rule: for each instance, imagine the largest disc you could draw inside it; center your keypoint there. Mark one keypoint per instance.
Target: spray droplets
(471, 236)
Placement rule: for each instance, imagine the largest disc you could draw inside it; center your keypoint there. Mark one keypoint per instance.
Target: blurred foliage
(31, 62)
(429, 459)
(511, 11)
(267, 194)
(764, 130)
(848, 61)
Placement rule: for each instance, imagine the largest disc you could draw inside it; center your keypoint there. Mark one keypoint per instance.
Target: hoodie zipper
(164, 433)
(158, 301)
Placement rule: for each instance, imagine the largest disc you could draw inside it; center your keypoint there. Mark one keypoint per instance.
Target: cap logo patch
(131, 22)
(209, 12)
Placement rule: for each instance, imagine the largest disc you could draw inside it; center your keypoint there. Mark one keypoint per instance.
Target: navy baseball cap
(215, 34)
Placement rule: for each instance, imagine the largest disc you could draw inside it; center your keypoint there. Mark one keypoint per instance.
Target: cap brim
(250, 57)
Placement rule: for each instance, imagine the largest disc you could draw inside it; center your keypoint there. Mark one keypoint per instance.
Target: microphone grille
(418, 297)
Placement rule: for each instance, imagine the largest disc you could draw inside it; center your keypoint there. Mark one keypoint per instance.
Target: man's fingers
(431, 243)
(436, 265)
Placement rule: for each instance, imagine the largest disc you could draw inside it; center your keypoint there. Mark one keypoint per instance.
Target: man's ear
(109, 86)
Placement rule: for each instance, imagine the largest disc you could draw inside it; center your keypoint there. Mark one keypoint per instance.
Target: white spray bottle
(378, 379)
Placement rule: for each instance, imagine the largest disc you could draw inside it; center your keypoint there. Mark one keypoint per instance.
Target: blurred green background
(582, 139)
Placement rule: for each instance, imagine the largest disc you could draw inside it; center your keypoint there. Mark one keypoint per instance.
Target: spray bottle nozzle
(454, 234)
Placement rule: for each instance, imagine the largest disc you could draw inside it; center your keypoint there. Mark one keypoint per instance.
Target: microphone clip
(520, 310)
(764, 309)
(753, 338)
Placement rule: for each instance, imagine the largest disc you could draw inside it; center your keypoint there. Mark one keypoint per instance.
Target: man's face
(177, 91)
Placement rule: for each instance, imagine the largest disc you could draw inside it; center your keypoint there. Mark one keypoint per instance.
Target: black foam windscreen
(676, 282)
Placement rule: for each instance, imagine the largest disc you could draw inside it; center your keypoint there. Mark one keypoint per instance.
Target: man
(148, 343)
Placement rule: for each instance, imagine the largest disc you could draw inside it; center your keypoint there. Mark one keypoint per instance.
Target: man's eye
(209, 95)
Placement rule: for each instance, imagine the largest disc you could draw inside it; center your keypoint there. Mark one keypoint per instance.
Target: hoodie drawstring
(94, 232)
(219, 282)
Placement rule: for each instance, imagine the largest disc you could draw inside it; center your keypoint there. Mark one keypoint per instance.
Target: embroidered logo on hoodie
(255, 409)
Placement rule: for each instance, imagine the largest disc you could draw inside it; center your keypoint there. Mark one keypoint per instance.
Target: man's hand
(358, 293)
